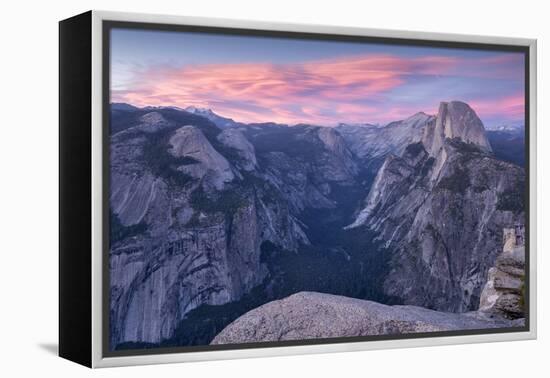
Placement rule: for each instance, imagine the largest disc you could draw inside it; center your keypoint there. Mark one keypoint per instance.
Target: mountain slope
(440, 207)
(208, 223)
(195, 208)
(371, 142)
(186, 224)
(508, 145)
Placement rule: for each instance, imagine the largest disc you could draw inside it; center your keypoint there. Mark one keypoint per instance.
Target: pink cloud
(346, 89)
(510, 107)
(314, 92)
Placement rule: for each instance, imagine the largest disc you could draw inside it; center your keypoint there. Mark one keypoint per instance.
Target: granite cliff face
(186, 225)
(188, 142)
(455, 120)
(191, 206)
(440, 208)
(207, 212)
(235, 139)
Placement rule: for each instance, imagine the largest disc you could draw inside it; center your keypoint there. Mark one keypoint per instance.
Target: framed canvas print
(233, 189)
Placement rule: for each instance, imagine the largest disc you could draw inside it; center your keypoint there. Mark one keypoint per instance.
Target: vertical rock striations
(372, 144)
(504, 292)
(192, 203)
(454, 120)
(186, 225)
(440, 208)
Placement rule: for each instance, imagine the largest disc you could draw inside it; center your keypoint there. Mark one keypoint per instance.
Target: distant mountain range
(507, 128)
(508, 141)
(211, 218)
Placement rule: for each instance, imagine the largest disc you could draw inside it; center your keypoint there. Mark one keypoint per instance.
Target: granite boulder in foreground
(310, 315)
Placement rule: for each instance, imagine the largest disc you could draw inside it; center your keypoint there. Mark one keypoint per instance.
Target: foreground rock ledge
(310, 315)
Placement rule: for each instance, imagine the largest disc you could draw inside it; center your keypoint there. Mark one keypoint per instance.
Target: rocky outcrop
(338, 163)
(454, 120)
(440, 208)
(504, 292)
(310, 315)
(235, 139)
(189, 142)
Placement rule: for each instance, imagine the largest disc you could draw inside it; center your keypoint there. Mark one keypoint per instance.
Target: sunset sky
(260, 79)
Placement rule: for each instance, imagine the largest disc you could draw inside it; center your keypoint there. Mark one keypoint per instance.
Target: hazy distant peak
(359, 124)
(161, 107)
(505, 128)
(200, 111)
(220, 121)
(123, 106)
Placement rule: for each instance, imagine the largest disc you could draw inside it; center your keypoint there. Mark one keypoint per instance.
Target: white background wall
(28, 190)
